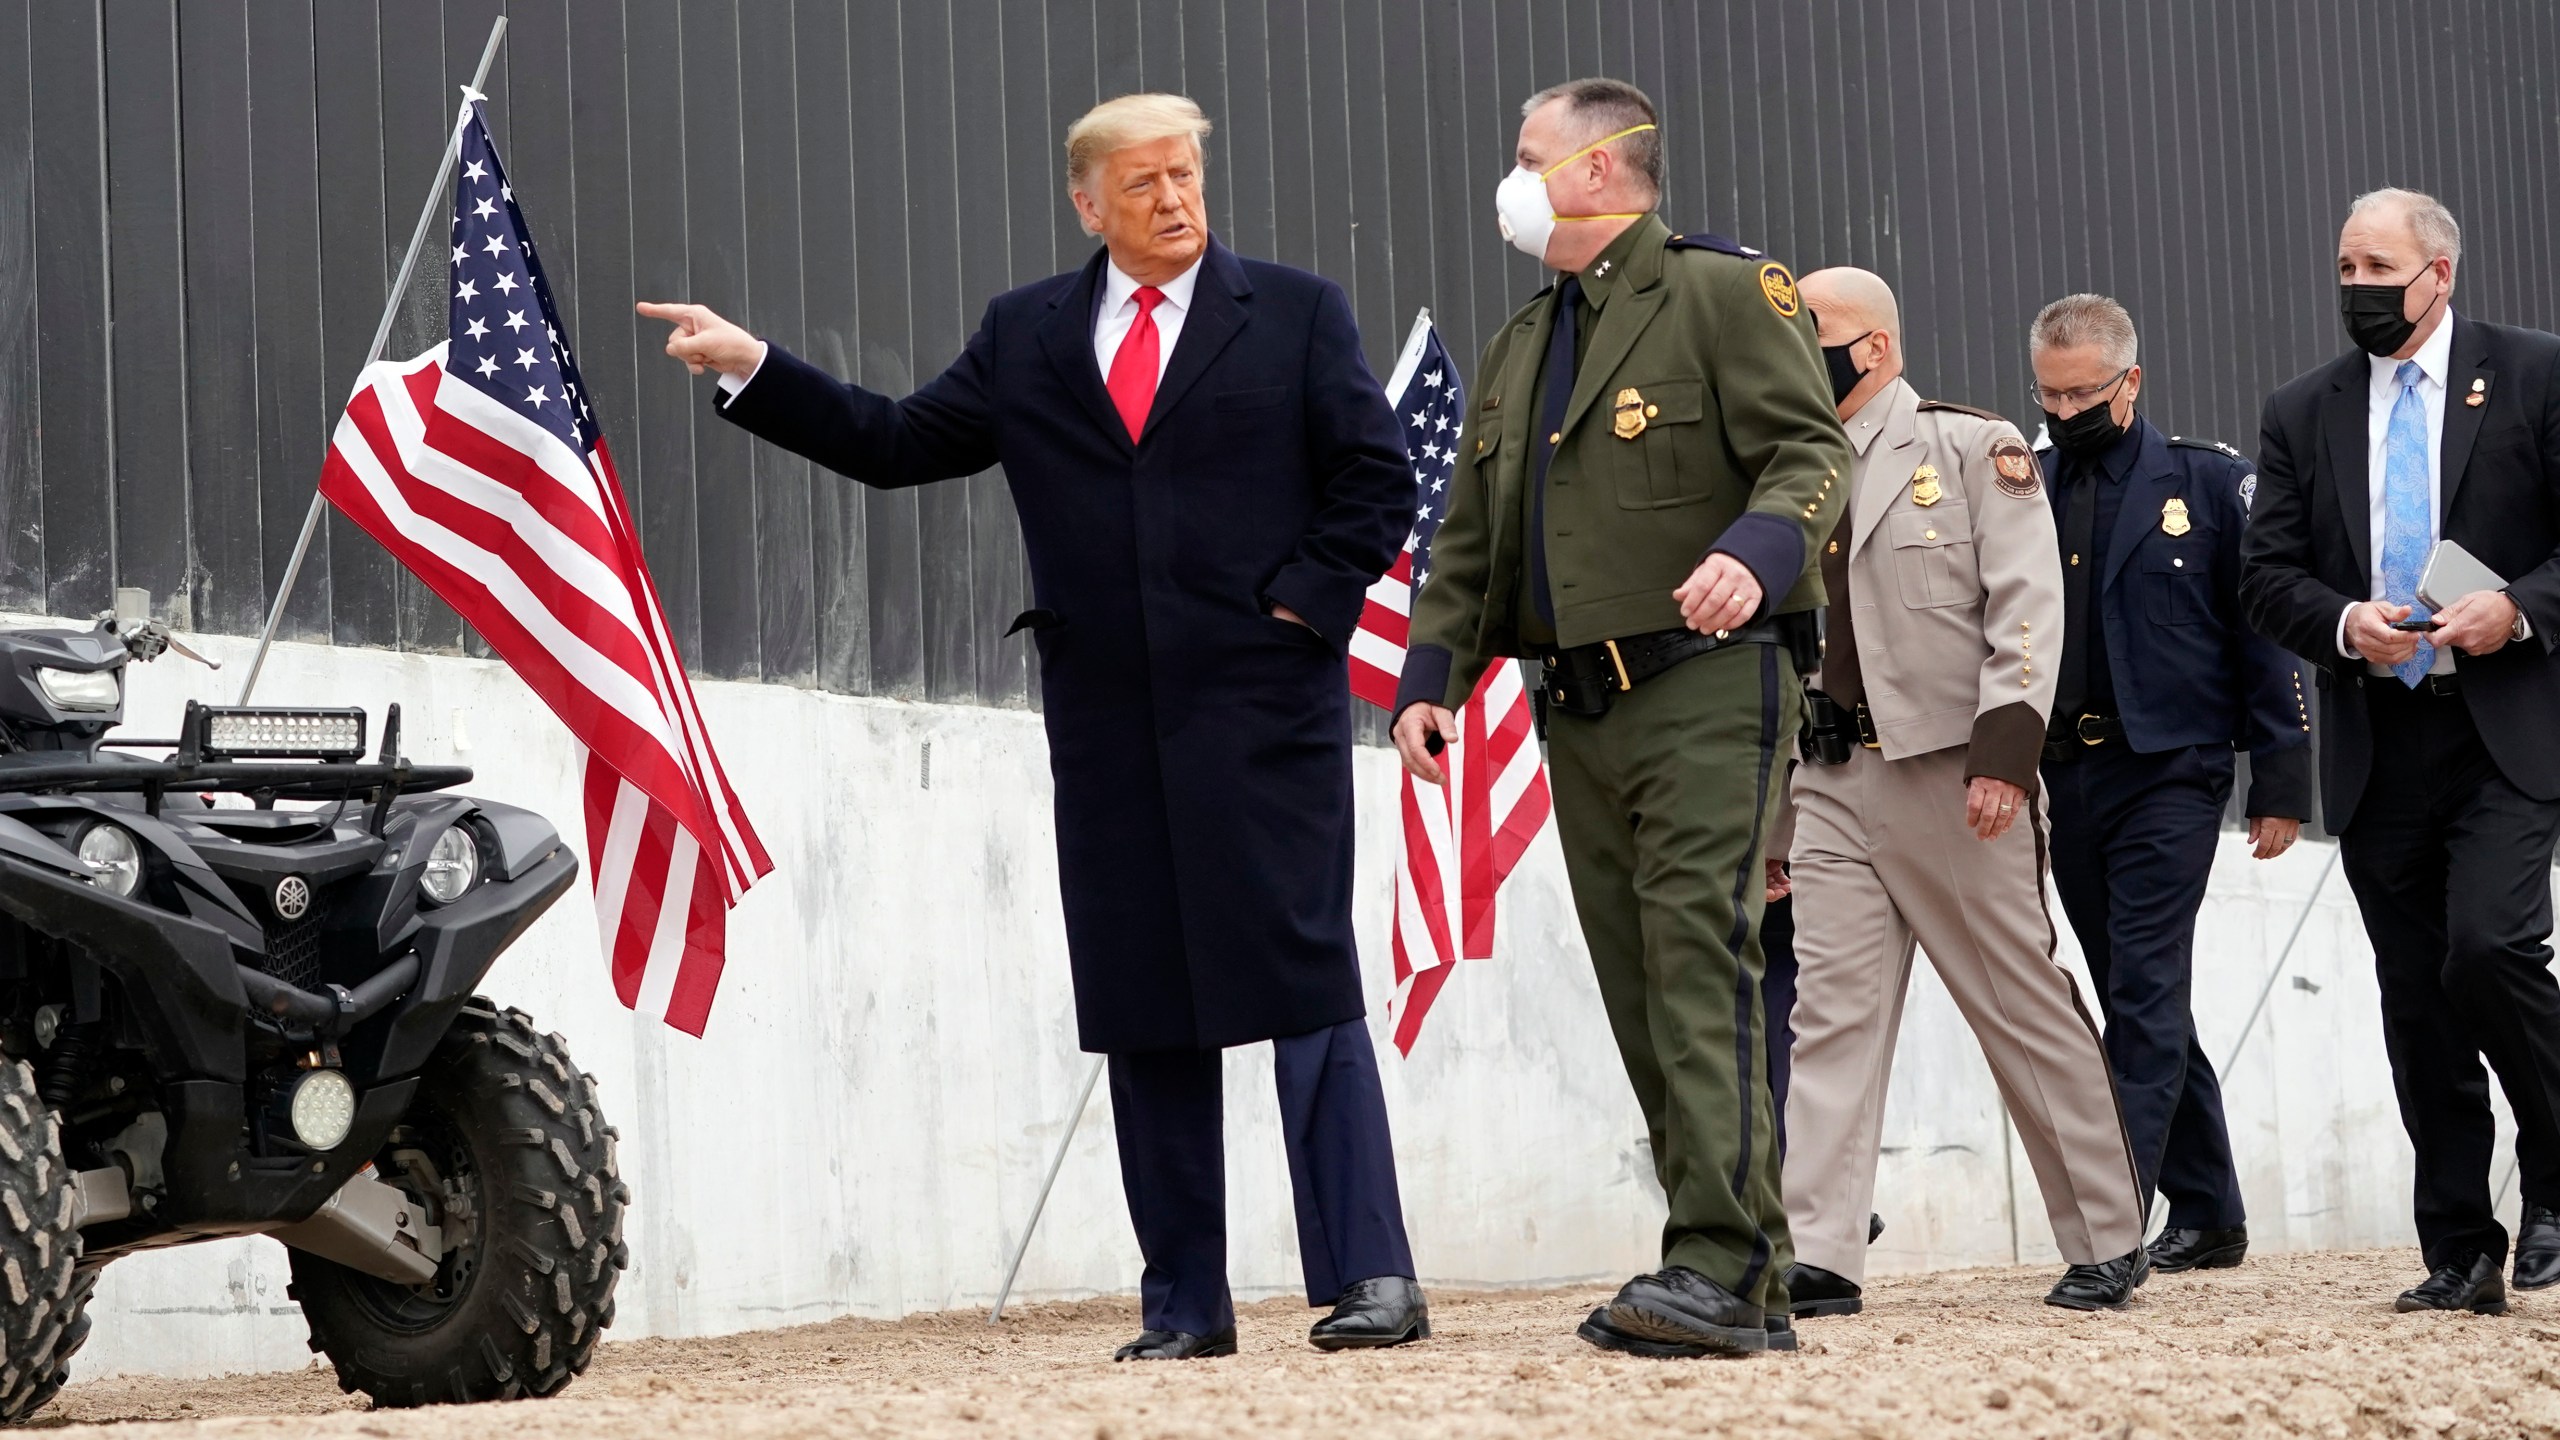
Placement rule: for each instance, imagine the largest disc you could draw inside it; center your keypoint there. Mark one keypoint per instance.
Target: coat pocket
(2174, 584)
(1933, 556)
(1255, 399)
(1658, 443)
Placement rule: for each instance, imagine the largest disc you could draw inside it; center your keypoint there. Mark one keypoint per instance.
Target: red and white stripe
(1460, 841)
(533, 544)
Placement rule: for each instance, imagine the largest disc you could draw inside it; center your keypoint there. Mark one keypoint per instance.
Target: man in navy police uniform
(2161, 679)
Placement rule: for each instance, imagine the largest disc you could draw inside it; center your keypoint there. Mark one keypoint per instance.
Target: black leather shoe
(2538, 1249)
(1813, 1291)
(1600, 1332)
(2105, 1286)
(1875, 1227)
(1679, 1306)
(1373, 1314)
(1782, 1331)
(1177, 1345)
(2183, 1249)
(2472, 1285)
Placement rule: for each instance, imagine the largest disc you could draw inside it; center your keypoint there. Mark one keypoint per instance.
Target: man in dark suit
(1209, 479)
(2161, 680)
(2437, 768)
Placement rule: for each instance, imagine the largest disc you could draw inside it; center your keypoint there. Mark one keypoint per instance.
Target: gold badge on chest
(2173, 517)
(1925, 490)
(1628, 417)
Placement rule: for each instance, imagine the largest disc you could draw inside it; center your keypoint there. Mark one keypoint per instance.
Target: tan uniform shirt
(1954, 576)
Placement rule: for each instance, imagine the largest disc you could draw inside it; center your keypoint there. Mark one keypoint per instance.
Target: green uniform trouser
(1663, 805)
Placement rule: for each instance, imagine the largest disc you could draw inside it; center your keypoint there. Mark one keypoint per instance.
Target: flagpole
(381, 337)
(1084, 1101)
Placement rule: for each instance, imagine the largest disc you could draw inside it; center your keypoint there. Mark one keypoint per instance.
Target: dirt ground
(2290, 1345)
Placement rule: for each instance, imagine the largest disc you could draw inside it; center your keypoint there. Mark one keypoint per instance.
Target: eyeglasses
(2081, 399)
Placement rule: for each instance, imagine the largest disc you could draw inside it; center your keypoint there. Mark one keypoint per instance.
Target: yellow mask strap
(1585, 150)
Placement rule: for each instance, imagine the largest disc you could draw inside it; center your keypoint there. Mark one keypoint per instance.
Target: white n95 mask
(1521, 209)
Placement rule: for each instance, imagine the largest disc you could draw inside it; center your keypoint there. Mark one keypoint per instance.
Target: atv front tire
(44, 1289)
(506, 1151)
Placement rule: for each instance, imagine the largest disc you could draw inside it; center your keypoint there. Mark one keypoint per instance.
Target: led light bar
(263, 733)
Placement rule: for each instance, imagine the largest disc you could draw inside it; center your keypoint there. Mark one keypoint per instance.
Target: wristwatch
(2517, 631)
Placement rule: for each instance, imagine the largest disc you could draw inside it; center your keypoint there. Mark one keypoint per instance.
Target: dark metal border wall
(201, 202)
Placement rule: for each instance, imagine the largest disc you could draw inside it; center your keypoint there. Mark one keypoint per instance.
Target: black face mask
(1845, 373)
(2375, 315)
(2088, 433)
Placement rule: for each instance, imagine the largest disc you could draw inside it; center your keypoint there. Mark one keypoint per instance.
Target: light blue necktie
(2408, 513)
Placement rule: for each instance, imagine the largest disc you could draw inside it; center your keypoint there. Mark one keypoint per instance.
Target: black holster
(1829, 734)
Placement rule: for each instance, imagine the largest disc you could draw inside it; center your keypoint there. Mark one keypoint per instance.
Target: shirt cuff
(730, 384)
(2343, 648)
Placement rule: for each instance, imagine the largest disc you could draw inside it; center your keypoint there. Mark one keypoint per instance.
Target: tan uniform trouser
(1882, 858)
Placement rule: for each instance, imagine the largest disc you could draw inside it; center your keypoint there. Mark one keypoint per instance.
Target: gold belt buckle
(1866, 720)
(2082, 730)
(1624, 684)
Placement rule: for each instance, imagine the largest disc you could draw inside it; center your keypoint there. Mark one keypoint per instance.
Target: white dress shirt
(1119, 311)
(2434, 361)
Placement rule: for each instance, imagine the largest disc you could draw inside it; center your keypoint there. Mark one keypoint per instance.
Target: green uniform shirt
(1700, 420)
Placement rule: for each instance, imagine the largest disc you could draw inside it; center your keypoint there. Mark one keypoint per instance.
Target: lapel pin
(2479, 393)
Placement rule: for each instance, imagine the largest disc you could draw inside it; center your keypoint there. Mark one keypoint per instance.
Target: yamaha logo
(293, 897)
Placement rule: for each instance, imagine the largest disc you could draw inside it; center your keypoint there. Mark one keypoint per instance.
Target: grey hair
(2437, 231)
(2085, 319)
(1602, 106)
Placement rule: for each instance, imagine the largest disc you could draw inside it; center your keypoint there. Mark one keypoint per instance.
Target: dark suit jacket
(2187, 668)
(1201, 748)
(2309, 552)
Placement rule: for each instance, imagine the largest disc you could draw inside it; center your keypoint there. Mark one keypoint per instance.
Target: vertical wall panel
(831, 320)
(21, 394)
(769, 133)
(227, 583)
(295, 406)
(200, 207)
(145, 274)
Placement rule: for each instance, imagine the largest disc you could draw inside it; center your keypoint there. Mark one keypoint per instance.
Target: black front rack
(189, 772)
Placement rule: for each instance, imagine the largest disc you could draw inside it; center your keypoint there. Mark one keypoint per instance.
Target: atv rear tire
(44, 1289)
(506, 1150)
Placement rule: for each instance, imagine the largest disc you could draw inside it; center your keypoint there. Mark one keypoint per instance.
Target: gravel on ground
(2289, 1345)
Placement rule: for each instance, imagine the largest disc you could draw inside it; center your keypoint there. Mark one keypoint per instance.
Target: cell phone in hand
(2416, 626)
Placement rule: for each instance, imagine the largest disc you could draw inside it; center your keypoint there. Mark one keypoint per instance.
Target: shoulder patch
(1703, 241)
(2198, 442)
(2249, 491)
(2015, 468)
(1960, 409)
(1779, 288)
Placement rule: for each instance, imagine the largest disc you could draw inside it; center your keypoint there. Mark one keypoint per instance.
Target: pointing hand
(704, 341)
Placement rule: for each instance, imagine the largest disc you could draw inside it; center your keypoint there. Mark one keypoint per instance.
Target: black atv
(236, 999)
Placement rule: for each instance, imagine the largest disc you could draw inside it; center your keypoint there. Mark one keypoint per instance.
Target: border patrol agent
(1649, 453)
(1945, 614)
(2161, 678)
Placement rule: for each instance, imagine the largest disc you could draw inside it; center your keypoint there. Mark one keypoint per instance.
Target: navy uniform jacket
(1201, 747)
(2188, 669)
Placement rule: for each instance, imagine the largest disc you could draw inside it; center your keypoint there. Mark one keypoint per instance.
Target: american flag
(1459, 840)
(479, 465)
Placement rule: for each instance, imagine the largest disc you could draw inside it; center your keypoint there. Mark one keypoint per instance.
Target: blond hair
(1128, 120)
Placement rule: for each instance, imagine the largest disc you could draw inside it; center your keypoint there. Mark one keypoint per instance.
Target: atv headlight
(451, 867)
(108, 849)
(79, 689)
(323, 1109)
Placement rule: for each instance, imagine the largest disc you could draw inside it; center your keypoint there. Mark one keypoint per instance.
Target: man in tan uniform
(1946, 596)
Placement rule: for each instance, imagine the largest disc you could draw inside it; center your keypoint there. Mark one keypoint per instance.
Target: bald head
(1847, 302)
(1858, 324)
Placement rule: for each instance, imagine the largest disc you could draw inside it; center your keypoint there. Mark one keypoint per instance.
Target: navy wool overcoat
(1201, 747)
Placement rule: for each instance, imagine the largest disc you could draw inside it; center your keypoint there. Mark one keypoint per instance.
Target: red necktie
(1132, 381)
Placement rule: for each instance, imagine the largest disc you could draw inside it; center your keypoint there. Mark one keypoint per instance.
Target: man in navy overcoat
(1209, 479)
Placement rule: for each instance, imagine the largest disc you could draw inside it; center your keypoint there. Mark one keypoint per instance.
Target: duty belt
(2065, 742)
(1585, 679)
